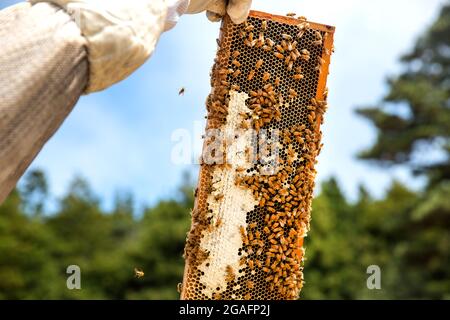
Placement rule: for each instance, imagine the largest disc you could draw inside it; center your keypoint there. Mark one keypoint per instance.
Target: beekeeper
(53, 51)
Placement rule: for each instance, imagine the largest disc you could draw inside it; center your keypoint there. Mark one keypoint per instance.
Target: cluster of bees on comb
(278, 65)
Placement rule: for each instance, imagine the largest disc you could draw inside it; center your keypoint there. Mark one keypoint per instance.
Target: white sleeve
(120, 34)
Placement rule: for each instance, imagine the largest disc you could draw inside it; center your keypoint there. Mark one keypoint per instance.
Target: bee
(218, 197)
(179, 287)
(266, 48)
(250, 264)
(249, 27)
(302, 18)
(279, 48)
(248, 296)
(259, 63)
(235, 87)
(290, 65)
(264, 25)
(138, 273)
(181, 91)
(292, 93)
(230, 276)
(266, 76)
(236, 63)
(250, 284)
(277, 82)
(236, 73)
(298, 76)
(235, 54)
(279, 55)
(291, 14)
(251, 75)
(270, 42)
(252, 225)
(286, 36)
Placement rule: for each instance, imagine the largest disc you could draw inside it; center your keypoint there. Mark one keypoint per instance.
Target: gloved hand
(215, 9)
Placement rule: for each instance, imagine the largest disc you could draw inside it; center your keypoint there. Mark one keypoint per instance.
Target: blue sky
(120, 139)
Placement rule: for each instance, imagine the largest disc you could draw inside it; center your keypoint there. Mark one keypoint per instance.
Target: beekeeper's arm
(52, 52)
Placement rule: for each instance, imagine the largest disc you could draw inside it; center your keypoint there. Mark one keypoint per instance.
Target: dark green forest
(406, 233)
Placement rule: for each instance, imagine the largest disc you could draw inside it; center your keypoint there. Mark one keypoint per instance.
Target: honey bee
(277, 81)
(248, 296)
(291, 14)
(230, 276)
(236, 63)
(264, 25)
(235, 54)
(270, 42)
(266, 76)
(179, 287)
(290, 65)
(218, 197)
(302, 18)
(181, 91)
(252, 225)
(249, 27)
(266, 48)
(259, 63)
(138, 273)
(286, 36)
(279, 55)
(235, 87)
(236, 73)
(250, 284)
(251, 75)
(298, 76)
(250, 264)
(279, 48)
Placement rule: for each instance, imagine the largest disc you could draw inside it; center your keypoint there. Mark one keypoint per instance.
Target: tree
(413, 120)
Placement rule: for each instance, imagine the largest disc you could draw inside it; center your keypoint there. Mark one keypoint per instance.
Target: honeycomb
(250, 216)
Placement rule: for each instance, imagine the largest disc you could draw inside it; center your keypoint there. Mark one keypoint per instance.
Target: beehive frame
(252, 210)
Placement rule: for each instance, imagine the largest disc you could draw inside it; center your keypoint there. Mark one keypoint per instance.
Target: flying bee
(181, 91)
(302, 18)
(259, 63)
(138, 273)
(291, 14)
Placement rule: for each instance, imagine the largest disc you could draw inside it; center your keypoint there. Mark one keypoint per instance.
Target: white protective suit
(53, 51)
